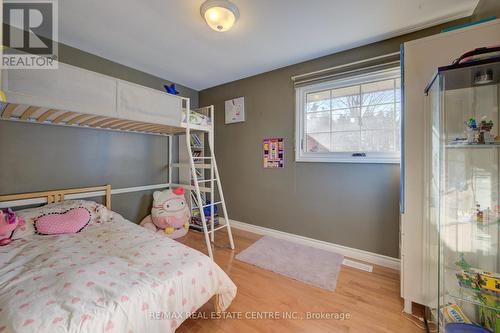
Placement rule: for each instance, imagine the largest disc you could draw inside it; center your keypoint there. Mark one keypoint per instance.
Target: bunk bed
(71, 96)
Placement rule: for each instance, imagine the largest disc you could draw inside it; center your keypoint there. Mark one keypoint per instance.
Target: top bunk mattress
(71, 95)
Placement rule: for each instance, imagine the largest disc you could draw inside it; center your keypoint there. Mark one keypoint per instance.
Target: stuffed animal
(170, 214)
(8, 223)
(171, 89)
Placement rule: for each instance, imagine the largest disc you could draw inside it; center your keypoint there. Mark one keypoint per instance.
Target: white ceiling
(169, 39)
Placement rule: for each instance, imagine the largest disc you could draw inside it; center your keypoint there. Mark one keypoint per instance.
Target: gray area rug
(313, 266)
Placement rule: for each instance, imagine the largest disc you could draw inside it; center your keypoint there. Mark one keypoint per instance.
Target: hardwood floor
(371, 299)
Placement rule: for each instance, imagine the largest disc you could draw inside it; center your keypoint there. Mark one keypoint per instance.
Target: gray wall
(355, 205)
(76, 57)
(41, 157)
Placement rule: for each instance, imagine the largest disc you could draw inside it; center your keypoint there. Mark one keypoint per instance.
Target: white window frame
(341, 157)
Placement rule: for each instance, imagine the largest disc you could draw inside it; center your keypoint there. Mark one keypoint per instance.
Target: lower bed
(111, 277)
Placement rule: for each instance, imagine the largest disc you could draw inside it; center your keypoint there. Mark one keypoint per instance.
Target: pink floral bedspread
(111, 277)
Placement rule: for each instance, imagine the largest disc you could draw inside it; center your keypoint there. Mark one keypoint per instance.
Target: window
(355, 119)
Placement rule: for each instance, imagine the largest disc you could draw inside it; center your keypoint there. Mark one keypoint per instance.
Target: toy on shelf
(472, 130)
(485, 127)
(476, 280)
(453, 314)
(490, 319)
(489, 283)
(462, 263)
(482, 216)
(170, 214)
(488, 316)
(171, 89)
(196, 223)
(8, 223)
(479, 214)
(486, 216)
(488, 300)
(479, 133)
(207, 209)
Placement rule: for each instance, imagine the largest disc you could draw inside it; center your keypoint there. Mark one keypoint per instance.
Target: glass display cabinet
(463, 173)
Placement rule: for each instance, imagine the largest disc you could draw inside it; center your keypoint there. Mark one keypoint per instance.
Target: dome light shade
(220, 15)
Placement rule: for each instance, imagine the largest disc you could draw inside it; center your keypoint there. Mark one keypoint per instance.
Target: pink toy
(8, 223)
(170, 213)
(68, 222)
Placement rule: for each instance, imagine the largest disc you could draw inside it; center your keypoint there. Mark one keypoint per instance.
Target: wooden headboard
(59, 195)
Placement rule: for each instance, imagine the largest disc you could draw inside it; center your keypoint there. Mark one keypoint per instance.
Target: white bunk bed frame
(72, 96)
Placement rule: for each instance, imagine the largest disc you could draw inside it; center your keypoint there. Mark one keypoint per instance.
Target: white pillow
(98, 214)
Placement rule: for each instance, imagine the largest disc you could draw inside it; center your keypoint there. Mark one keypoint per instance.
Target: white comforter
(111, 277)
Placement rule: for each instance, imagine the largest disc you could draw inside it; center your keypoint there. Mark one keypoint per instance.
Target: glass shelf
(469, 295)
(474, 223)
(494, 145)
(465, 295)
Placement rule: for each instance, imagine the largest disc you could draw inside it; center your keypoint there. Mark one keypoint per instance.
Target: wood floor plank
(371, 299)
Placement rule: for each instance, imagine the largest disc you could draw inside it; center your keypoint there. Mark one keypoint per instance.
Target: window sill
(358, 160)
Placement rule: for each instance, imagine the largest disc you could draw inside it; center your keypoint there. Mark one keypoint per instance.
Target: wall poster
(274, 153)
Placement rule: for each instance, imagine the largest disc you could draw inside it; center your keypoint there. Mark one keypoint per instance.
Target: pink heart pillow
(68, 222)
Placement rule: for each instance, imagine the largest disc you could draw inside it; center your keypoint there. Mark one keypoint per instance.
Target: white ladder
(207, 162)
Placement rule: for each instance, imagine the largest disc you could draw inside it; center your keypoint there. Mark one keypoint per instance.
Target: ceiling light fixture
(220, 15)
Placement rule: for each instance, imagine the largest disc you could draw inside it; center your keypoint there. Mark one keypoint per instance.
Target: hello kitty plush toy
(8, 223)
(170, 214)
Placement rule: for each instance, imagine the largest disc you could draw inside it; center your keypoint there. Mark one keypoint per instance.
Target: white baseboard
(372, 258)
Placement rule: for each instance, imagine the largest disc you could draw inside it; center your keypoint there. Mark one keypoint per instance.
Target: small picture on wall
(235, 110)
(274, 153)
